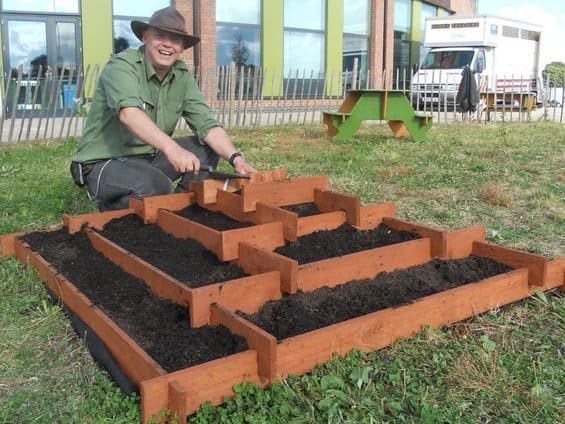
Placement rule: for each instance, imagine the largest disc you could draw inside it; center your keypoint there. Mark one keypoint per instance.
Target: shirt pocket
(148, 106)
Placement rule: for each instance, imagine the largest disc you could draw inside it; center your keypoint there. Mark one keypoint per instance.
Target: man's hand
(182, 160)
(242, 167)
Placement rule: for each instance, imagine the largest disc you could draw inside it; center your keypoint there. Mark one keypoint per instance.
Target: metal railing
(53, 103)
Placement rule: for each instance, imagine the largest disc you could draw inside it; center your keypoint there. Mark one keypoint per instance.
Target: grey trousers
(112, 182)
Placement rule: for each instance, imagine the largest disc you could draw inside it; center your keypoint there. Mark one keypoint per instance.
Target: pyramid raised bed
(259, 277)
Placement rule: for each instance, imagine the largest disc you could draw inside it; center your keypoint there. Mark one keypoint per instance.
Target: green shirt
(127, 80)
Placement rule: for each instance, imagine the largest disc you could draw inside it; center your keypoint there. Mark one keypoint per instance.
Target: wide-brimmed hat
(167, 19)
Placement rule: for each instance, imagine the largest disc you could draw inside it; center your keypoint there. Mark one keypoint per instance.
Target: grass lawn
(504, 366)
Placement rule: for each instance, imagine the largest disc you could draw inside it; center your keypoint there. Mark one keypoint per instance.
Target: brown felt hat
(167, 19)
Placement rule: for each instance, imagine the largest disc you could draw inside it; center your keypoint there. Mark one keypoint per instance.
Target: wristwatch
(233, 156)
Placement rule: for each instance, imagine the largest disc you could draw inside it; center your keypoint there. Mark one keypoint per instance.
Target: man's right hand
(182, 160)
(145, 129)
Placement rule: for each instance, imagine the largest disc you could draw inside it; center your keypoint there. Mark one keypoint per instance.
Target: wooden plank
(147, 207)
(259, 340)
(555, 274)
(371, 216)
(234, 294)
(211, 381)
(178, 400)
(230, 204)
(320, 222)
(365, 264)
(299, 354)
(331, 201)
(255, 261)
(97, 220)
(283, 193)
(206, 190)
(459, 244)
(436, 236)
(267, 236)
(8, 243)
(537, 265)
(267, 213)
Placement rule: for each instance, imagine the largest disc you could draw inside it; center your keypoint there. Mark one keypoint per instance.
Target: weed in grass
(493, 194)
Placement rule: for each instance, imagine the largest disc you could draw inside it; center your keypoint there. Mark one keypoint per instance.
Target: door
(50, 44)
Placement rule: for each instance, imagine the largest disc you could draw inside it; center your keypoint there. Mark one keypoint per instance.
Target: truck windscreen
(447, 59)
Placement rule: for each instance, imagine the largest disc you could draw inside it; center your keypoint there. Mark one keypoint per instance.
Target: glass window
(303, 51)
(241, 11)
(304, 36)
(238, 32)
(428, 11)
(238, 44)
(356, 39)
(28, 44)
(138, 8)
(126, 11)
(304, 14)
(356, 17)
(58, 6)
(401, 52)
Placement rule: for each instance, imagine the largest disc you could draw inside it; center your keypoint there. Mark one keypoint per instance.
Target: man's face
(162, 49)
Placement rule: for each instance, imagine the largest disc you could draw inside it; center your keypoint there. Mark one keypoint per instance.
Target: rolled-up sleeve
(121, 84)
(197, 113)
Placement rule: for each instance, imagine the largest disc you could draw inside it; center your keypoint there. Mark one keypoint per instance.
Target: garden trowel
(220, 175)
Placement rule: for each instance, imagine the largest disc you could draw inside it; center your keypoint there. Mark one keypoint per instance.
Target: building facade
(282, 37)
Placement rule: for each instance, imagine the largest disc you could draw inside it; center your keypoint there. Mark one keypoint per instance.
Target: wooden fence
(53, 103)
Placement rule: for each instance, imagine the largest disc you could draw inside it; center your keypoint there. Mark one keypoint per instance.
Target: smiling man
(127, 149)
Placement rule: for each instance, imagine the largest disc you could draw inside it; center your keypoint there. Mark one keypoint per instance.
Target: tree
(120, 44)
(240, 51)
(554, 74)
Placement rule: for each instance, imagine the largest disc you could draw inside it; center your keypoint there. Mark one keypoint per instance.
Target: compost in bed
(158, 325)
(306, 311)
(341, 241)
(187, 260)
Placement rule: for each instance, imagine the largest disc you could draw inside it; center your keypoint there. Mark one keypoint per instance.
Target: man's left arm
(219, 140)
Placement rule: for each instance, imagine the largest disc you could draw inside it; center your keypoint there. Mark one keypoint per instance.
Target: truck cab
(439, 74)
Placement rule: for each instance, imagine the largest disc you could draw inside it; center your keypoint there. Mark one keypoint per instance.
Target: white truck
(502, 53)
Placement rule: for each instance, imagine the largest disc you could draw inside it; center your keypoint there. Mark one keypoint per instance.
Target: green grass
(504, 366)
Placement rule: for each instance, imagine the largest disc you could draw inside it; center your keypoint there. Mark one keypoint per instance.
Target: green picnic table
(377, 105)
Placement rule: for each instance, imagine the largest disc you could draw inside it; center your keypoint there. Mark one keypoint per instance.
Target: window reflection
(238, 44)
(305, 14)
(126, 11)
(241, 11)
(28, 44)
(401, 54)
(356, 39)
(138, 8)
(238, 33)
(304, 36)
(59, 6)
(356, 17)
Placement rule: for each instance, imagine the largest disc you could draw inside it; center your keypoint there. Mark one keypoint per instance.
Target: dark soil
(185, 259)
(303, 209)
(212, 219)
(341, 241)
(159, 326)
(302, 312)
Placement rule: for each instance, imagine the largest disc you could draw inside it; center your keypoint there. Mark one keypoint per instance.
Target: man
(126, 149)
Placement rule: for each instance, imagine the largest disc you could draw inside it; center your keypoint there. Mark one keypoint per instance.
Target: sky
(549, 14)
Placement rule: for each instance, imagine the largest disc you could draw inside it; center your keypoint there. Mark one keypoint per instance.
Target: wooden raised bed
(267, 359)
